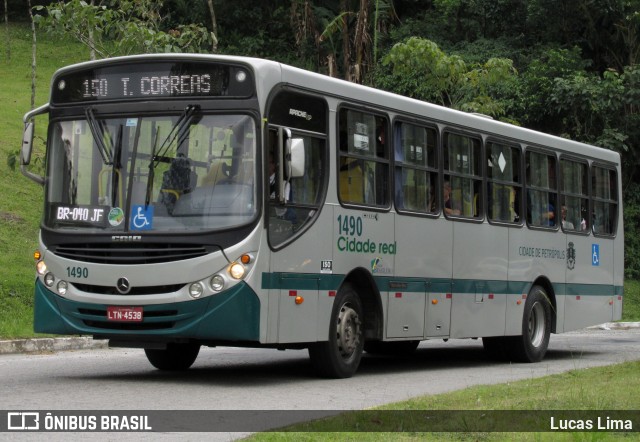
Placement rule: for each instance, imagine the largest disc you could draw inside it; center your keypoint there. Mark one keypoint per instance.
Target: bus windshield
(185, 171)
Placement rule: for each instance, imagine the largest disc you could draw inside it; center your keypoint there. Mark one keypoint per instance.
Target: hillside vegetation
(20, 198)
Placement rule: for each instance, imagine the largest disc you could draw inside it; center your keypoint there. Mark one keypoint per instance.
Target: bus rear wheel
(339, 357)
(532, 345)
(175, 357)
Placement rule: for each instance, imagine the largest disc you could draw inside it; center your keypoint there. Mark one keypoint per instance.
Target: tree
(6, 24)
(354, 25)
(214, 27)
(33, 56)
(86, 23)
(420, 69)
(130, 26)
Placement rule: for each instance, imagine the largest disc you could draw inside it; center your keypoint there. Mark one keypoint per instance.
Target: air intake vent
(111, 290)
(127, 254)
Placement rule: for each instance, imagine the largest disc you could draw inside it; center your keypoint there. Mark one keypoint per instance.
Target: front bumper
(233, 315)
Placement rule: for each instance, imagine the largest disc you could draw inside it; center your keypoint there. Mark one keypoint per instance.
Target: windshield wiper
(116, 166)
(158, 154)
(178, 129)
(97, 130)
(150, 175)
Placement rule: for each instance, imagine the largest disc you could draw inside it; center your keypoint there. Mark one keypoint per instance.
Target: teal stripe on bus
(319, 281)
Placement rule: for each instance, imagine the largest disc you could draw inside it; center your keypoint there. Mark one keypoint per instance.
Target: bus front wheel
(175, 357)
(532, 345)
(340, 356)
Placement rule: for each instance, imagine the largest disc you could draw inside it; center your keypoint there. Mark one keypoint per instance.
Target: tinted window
(415, 173)
(363, 177)
(462, 176)
(542, 194)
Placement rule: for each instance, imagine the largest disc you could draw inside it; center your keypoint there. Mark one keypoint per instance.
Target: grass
(631, 303)
(21, 199)
(599, 389)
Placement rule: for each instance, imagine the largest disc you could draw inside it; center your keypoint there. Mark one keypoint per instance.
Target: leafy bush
(632, 231)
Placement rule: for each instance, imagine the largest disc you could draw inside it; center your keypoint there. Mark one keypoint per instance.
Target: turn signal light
(299, 300)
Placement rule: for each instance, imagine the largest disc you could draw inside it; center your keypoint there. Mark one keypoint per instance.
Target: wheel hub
(348, 331)
(536, 325)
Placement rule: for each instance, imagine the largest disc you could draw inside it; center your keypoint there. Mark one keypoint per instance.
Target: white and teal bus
(208, 200)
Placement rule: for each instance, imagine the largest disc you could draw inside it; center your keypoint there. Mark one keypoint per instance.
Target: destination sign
(134, 81)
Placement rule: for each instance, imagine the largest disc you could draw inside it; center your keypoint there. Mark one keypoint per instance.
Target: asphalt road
(239, 379)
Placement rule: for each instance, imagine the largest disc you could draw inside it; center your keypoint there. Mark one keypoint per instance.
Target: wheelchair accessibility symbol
(595, 254)
(142, 218)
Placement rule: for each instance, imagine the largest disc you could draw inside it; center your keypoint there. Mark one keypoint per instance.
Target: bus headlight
(236, 270)
(41, 268)
(49, 279)
(196, 290)
(62, 287)
(216, 282)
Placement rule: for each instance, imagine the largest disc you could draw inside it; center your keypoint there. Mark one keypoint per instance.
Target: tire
(398, 348)
(532, 345)
(339, 357)
(175, 357)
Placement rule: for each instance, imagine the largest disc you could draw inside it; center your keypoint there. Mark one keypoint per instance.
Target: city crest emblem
(571, 257)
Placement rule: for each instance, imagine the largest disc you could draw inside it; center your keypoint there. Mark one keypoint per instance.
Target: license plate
(124, 314)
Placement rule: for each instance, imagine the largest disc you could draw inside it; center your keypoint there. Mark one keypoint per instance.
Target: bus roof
(364, 95)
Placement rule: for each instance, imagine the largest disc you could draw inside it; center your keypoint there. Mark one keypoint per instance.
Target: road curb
(38, 345)
(616, 326)
(42, 345)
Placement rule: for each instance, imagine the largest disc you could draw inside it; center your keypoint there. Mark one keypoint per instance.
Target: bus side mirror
(295, 157)
(27, 144)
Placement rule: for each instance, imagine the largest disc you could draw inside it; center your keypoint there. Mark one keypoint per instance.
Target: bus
(206, 200)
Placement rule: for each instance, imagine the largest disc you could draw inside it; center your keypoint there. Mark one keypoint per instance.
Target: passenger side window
(542, 193)
(363, 177)
(504, 181)
(574, 196)
(296, 137)
(415, 172)
(605, 201)
(462, 176)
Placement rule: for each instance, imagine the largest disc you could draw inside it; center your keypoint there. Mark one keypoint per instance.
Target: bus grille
(127, 254)
(111, 290)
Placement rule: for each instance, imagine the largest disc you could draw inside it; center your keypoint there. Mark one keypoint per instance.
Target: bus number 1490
(77, 272)
(349, 225)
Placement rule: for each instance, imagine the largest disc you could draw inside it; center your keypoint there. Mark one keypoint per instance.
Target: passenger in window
(448, 207)
(567, 225)
(549, 216)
